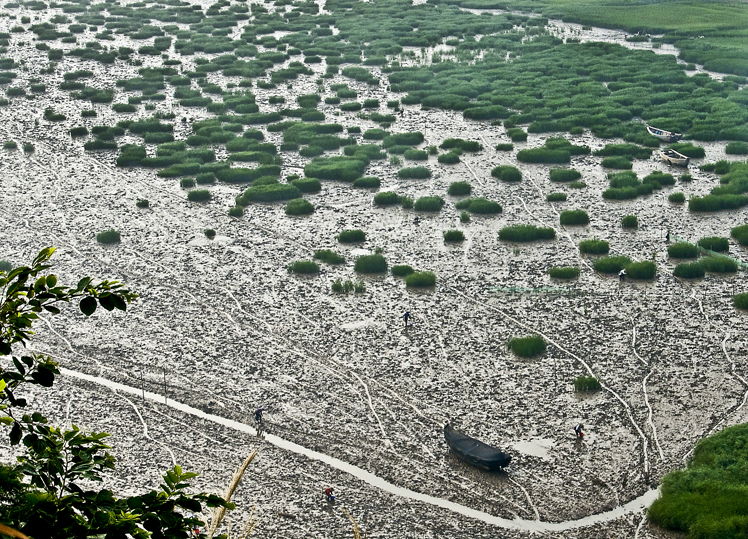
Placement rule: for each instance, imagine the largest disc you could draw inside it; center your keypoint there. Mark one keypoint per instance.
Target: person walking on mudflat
(578, 431)
(406, 317)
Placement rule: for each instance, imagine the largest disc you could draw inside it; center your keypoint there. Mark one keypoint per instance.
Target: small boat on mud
(475, 452)
(667, 136)
(671, 157)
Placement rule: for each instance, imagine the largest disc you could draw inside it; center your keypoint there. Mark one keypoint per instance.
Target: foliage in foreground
(706, 500)
(40, 495)
(530, 346)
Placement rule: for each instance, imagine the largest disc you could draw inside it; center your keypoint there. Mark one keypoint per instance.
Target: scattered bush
(556, 197)
(402, 271)
(108, 236)
(577, 185)
(504, 147)
(304, 266)
(736, 147)
(368, 182)
(564, 272)
(329, 257)
(586, 384)
(351, 236)
(543, 155)
(682, 250)
(370, 264)
(299, 206)
(236, 211)
(574, 217)
(142, 203)
(186, 183)
(268, 193)
(617, 162)
(420, 279)
(479, 205)
(719, 264)
(464, 217)
(630, 221)
(10, 145)
(28, 147)
(565, 175)
(530, 346)
(715, 243)
(453, 236)
(414, 173)
(307, 185)
(406, 202)
(506, 173)
(594, 247)
(740, 301)
(740, 233)
(717, 202)
(611, 264)
(689, 270)
(641, 270)
(429, 203)
(526, 233)
(450, 158)
(341, 168)
(459, 188)
(199, 195)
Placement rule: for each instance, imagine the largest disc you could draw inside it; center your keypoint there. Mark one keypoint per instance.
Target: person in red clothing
(330, 494)
(578, 431)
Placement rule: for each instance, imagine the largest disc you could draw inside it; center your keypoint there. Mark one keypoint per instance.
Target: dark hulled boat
(667, 136)
(474, 451)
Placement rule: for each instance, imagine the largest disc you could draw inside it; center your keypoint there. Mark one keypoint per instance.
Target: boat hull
(665, 136)
(474, 451)
(671, 157)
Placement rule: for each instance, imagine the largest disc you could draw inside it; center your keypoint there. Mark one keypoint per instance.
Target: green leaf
(88, 305)
(189, 503)
(2, 385)
(51, 281)
(15, 434)
(6, 420)
(51, 308)
(43, 376)
(40, 284)
(106, 301)
(119, 303)
(83, 283)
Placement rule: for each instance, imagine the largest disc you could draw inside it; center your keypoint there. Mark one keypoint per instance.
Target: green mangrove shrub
(299, 206)
(594, 247)
(630, 221)
(574, 217)
(351, 236)
(108, 236)
(417, 173)
(304, 266)
(530, 346)
(268, 193)
(586, 384)
(689, 270)
(611, 264)
(617, 162)
(370, 264)
(453, 236)
(429, 203)
(459, 189)
(682, 250)
(564, 272)
(740, 233)
(386, 198)
(368, 182)
(556, 197)
(564, 175)
(420, 279)
(714, 243)
(506, 173)
(402, 270)
(329, 257)
(526, 233)
(644, 270)
(740, 301)
(719, 264)
(307, 185)
(199, 195)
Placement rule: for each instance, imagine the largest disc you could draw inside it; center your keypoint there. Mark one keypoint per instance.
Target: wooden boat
(671, 157)
(475, 452)
(667, 136)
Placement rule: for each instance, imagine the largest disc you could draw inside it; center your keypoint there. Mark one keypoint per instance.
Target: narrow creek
(636, 505)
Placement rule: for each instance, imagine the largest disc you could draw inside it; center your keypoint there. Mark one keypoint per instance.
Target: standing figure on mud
(406, 317)
(258, 414)
(622, 275)
(329, 495)
(578, 431)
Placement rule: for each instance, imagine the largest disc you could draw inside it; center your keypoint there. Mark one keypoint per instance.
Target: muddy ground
(223, 327)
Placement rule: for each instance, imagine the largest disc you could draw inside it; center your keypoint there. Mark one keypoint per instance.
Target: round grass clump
(526, 233)
(459, 188)
(386, 198)
(630, 221)
(420, 279)
(186, 183)
(108, 236)
(719, 264)
(586, 384)
(416, 155)
(299, 206)
(402, 270)
(236, 211)
(715, 243)
(199, 195)
(737, 147)
(556, 197)
(464, 217)
(563, 175)
(351, 236)
(142, 203)
(430, 203)
(641, 270)
(740, 233)
(618, 162)
(506, 173)
(10, 145)
(369, 182)
(677, 198)
(329, 256)
(504, 147)
(689, 270)
(740, 301)
(370, 264)
(574, 217)
(304, 266)
(417, 173)
(682, 250)
(269, 193)
(454, 236)
(611, 264)
(483, 206)
(543, 155)
(530, 346)
(577, 185)
(449, 158)
(594, 247)
(564, 272)
(307, 185)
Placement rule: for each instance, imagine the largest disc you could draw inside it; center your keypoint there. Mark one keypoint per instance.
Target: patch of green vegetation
(108, 236)
(453, 235)
(565, 175)
(429, 203)
(594, 247)
(370, 264)
(420, 279)
(740, 301)
(417, 173)
(586, 384)
(199, 195)
(556, 197)
(351, 236)
(689, 270)
(630, 221)
(506, 173)
(611, 264)
(677, 198)
(369, 182)
(574, 218)
(564, 272)
(304, 266)
(328, 256)
(529, 346)
(402, 270)
(459, 189)
(299, 206)
(526, 233)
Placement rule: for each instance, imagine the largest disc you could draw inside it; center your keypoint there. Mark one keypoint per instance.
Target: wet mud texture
(223, 327)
